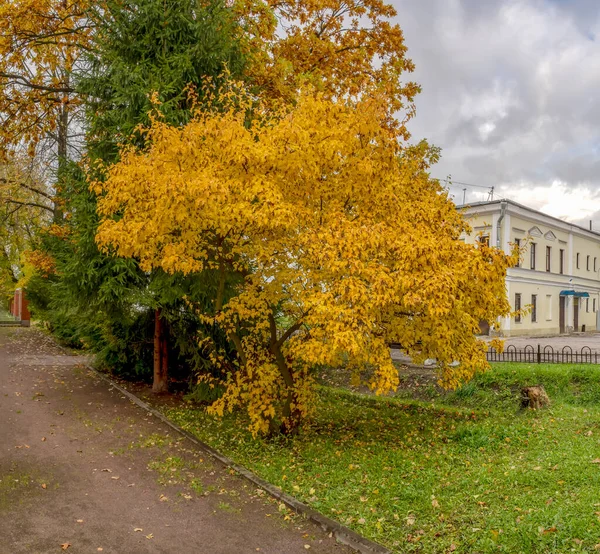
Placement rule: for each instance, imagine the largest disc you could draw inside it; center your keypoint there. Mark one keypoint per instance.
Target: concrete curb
(343, 534)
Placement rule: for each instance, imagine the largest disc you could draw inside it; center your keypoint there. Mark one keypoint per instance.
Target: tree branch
(25, 82)
(30, 204)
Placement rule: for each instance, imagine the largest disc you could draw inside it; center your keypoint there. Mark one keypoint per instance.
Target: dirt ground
(83, 470)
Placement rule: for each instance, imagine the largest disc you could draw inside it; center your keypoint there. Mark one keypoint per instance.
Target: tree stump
(534, 397)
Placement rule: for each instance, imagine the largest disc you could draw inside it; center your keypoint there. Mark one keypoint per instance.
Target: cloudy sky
(510, 94)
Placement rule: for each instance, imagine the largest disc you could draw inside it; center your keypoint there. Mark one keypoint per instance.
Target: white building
(559, 272)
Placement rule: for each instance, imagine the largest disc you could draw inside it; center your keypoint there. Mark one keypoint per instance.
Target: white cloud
(559, 199)
(510, 93)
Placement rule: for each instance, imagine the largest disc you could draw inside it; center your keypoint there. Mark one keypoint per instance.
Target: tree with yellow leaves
(342, 47)
(40, 44)
(25, 207)
(340, 240)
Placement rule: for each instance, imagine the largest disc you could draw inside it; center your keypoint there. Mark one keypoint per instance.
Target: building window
(548, 257)
(549, 307)
(533, 308)
(484, 239)
(587, 263)
(532, 255)
(594, 305)
(517, 308)
(562, 261)
(587, 305)
(577, 260)
(595, 260)
(518, 244)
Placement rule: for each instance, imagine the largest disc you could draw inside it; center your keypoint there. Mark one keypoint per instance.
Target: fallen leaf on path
(44, 486)
(115, 477)
(107, 470)
(307, 546)
(164, 498)
(80, 521)
(150, 536)
(65, 545)
(43, 439)
(137, 530)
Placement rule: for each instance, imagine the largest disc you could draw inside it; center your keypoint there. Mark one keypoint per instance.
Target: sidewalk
(83, 470)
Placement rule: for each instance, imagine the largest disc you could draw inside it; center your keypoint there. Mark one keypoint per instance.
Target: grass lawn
(465, 471)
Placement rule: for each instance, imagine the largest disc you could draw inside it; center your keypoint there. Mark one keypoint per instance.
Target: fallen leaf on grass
(543, 531)
(410, 520)
(435, 503)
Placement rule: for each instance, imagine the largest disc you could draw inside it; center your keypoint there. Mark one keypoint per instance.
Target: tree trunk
(161, 360)
(62, 147)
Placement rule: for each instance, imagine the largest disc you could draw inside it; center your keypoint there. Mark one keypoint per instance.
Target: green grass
(466, 471)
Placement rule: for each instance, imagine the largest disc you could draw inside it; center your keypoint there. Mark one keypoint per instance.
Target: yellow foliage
(341, 241)
(345, 48)
(40, 42)
(40, 262)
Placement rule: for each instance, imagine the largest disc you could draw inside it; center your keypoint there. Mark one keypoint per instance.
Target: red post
(20, 308)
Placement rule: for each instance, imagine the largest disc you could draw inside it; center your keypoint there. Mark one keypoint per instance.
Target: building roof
(523, 207)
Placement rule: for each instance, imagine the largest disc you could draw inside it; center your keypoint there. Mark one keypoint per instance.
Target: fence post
(539, 356)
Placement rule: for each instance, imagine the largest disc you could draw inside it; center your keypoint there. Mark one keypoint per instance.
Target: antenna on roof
(491, 194)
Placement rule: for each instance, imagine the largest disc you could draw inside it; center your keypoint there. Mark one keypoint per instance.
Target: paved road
(82, 470)
(576, 341)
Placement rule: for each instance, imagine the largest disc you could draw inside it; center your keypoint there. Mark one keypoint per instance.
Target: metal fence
(546, 354)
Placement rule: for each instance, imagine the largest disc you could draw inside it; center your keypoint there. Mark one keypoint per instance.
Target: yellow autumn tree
(342, 47)
(341, 241)
(25, 207)
(41, 42)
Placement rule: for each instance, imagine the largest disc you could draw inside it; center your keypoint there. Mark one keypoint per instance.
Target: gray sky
(510, 92)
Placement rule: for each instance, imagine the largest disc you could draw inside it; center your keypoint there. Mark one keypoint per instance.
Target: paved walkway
(83, 470)
(575, 341)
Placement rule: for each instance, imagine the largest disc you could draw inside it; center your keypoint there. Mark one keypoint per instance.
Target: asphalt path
(83, 470)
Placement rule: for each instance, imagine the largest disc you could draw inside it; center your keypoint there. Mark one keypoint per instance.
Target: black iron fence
(544, 354)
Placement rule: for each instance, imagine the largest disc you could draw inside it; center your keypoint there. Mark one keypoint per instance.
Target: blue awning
(575, 294)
